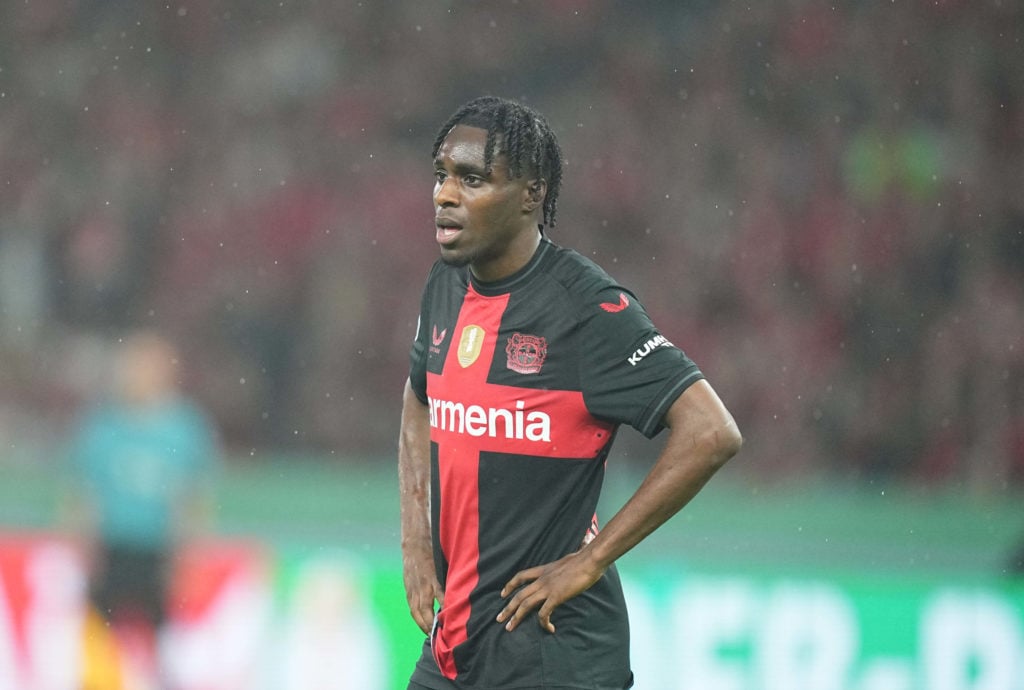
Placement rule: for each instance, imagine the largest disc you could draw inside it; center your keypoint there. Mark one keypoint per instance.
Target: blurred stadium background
(824, 205)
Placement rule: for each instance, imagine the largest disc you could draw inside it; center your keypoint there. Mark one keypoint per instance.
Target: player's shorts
(131, 583)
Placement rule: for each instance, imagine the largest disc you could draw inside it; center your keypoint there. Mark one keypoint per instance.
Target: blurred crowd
(823, 205)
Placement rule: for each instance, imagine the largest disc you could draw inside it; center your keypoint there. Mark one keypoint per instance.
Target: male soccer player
(527, 357)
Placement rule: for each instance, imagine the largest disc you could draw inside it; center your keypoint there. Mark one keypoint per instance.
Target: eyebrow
(463, 167)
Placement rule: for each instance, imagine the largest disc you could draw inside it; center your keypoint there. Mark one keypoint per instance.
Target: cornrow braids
(519, 132)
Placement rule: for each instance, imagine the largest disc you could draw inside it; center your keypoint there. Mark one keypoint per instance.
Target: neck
(517, 254)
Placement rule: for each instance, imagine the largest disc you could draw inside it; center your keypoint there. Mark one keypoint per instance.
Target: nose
(446, 192)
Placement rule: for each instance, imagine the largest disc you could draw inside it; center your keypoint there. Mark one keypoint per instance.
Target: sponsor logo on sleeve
(647, 348)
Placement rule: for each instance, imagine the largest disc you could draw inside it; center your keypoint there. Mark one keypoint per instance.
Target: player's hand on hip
(545, 587)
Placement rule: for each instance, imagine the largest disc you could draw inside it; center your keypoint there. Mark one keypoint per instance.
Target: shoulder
(442, 274)
(577, 274)
(585, 283)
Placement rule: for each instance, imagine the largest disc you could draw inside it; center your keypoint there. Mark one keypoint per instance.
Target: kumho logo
(647, 348)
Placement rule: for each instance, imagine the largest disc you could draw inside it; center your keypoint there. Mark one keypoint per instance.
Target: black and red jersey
(526, 381)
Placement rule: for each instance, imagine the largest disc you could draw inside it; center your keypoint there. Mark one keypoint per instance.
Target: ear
(535, 192)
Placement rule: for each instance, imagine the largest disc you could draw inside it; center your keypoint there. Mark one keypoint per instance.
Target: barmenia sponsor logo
(495, 422)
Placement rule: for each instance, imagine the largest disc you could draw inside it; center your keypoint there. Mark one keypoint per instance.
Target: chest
(527, 340)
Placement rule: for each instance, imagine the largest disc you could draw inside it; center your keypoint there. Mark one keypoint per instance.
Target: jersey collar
(520, 277)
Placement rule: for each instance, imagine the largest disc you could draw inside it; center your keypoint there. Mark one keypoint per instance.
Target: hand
(421, 587)
(547, 586)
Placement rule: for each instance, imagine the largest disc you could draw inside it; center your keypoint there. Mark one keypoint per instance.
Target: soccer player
(526, 359)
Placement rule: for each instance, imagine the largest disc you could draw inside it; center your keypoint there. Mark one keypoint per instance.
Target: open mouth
(447, 233)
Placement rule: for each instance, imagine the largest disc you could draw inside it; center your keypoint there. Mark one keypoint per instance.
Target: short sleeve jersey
(526, 381)
(138, 464)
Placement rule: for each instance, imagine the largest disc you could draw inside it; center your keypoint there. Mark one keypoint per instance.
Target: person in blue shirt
(142, 464)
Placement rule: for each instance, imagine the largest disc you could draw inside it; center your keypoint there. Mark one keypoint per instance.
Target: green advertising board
(752, 587)
(728, 631)
(740, 632)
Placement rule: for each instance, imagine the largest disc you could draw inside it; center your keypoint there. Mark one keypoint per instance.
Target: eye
(440, 176)
(472, 180)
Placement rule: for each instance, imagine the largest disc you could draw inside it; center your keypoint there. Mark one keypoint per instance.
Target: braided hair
(519, 132)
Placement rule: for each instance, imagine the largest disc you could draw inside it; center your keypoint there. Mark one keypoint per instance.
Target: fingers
(544, 588)
(421, 604)
(544, 616)
(424, 618)
(422, 610)
(520, 605)
(520, 579)
(513, 611)
(525, 601)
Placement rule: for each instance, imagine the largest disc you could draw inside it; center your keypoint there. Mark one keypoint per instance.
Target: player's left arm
(702, 437)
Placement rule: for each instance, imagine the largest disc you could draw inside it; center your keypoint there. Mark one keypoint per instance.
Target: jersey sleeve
(418, 353)
(630, 372)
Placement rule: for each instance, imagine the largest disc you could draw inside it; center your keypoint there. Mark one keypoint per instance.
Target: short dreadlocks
(519, 132)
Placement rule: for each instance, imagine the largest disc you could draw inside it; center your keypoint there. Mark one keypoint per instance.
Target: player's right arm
(422, 588)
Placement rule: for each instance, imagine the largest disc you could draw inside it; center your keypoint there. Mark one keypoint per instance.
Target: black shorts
(416, 686)
(131, 583)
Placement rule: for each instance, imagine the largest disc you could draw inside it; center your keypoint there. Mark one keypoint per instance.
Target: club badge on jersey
(526, 353)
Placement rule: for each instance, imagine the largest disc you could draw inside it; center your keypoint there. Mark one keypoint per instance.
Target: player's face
(485, 220)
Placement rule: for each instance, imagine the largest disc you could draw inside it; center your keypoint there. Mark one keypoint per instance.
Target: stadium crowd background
(822, 204)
